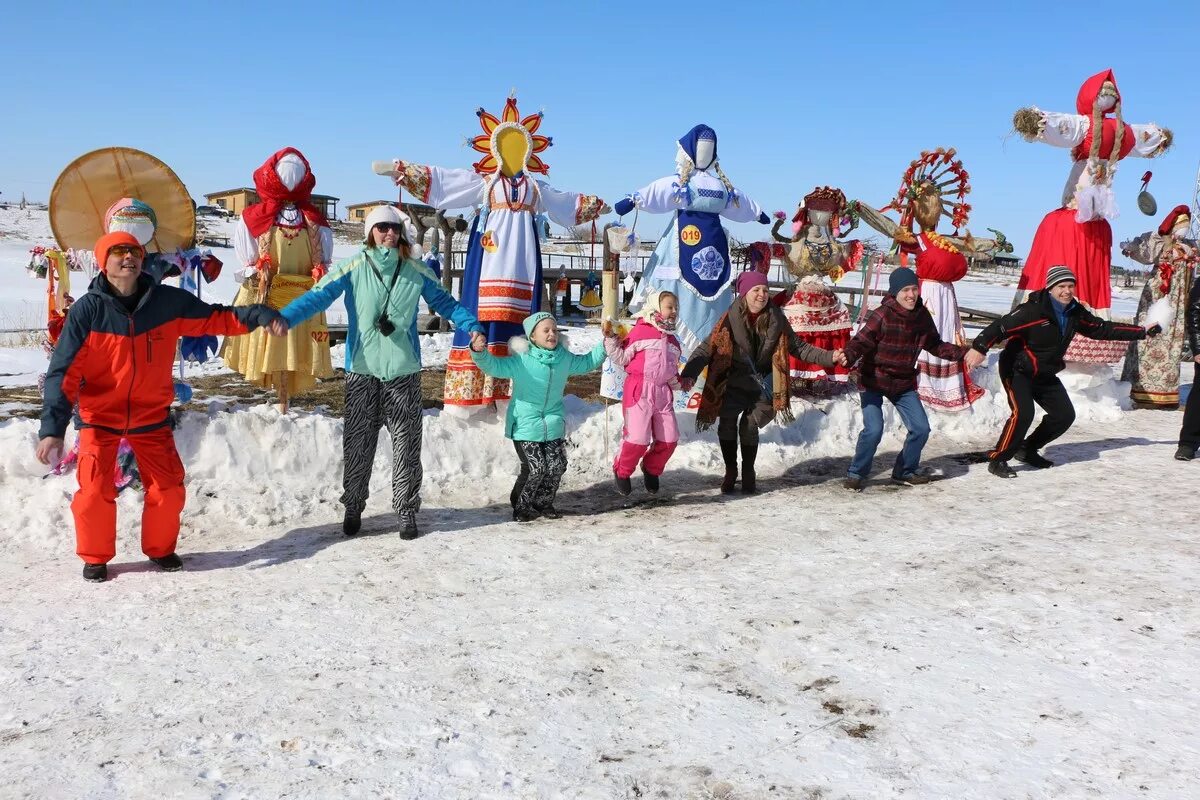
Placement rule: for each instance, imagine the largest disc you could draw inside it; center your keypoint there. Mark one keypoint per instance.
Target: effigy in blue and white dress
(692, 257)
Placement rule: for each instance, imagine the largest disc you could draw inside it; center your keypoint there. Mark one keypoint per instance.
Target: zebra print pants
(542, 467)
(370, 404)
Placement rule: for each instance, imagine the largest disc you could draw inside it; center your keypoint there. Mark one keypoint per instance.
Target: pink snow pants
(650, 428)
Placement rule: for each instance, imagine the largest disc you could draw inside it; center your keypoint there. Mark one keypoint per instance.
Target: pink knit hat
(748, 280)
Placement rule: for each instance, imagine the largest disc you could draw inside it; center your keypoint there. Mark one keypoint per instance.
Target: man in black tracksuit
(1038, 332)
(1189, 434)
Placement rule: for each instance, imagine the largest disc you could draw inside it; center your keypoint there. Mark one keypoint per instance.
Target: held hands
(278, 327)
(478, 342)
(839, 358)
(686, 384)
(973, 358)
(49, 450)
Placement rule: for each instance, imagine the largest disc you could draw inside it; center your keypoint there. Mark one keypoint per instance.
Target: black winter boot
(624, 485)
(525, 515)
(1185, 453)
(1029, 456)
(352, 522)
(650, 482)
(729, 448)
(169, 563)
(96, 573)
(408, 525)
(1001, 469)
(749, 478)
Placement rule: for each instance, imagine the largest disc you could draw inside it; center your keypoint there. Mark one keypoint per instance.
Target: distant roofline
(255, 191)
(230, 191)
(386, 202)
(370, 203)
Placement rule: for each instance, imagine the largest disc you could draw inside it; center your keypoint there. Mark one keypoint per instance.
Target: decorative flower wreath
(935, 171)
(509, 118)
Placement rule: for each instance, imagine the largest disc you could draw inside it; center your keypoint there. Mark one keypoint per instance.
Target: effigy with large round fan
(88, 188)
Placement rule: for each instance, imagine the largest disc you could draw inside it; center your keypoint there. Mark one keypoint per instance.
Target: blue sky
(800, 94)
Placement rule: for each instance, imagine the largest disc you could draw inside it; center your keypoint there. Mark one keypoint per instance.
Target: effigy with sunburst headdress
(510, 126)
(502, 278)
(936, 185)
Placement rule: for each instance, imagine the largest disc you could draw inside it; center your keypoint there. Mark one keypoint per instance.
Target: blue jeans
(908, 405)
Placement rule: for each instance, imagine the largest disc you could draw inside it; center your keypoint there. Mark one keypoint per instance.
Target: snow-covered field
(970, 638)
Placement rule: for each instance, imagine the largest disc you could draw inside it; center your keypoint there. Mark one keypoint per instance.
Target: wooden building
(358, 211)
(235, 201)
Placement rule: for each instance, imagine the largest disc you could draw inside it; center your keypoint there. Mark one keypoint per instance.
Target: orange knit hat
(111, 240)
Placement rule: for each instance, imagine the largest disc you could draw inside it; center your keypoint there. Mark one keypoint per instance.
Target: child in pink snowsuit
(650, 358)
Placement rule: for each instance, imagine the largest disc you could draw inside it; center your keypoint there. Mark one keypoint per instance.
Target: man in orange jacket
(113, 364)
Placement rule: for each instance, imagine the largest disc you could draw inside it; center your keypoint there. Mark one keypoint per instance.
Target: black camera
(385, 325)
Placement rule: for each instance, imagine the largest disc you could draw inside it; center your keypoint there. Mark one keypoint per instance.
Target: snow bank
(255, 464)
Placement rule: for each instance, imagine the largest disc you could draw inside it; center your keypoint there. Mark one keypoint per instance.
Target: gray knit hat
(1058, 274)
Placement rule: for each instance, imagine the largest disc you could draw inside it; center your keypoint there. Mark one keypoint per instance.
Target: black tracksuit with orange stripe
(1031, 361)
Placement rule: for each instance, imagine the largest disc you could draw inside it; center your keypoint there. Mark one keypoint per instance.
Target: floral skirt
(819, 318)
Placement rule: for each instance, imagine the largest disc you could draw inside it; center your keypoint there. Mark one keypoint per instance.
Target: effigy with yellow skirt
(284, 245)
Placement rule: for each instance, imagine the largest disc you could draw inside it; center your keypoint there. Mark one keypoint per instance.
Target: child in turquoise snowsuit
(539, 368)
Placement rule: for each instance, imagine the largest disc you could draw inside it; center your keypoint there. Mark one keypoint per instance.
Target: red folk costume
(814, 252)
(1078, 234)
(933, 186)
(1152, 365)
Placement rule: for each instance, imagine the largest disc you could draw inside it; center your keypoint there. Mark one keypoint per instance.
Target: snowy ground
(971, 638)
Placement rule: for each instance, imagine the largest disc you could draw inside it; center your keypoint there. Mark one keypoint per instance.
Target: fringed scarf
(721, 349)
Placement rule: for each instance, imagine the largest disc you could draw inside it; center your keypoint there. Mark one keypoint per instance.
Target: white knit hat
(380, 214)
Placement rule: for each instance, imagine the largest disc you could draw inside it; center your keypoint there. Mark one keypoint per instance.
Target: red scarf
(273, 195)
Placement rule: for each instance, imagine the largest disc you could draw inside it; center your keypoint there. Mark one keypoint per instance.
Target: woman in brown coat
(747, 384)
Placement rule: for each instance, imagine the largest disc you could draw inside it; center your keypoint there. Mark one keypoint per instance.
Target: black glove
(1153, 330)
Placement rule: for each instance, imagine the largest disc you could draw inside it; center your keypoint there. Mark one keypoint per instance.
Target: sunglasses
(390, 227)
(123, 250)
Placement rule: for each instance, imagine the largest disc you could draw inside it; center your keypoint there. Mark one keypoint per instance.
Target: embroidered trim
(587, 208)
(416, 178)
(505, 291)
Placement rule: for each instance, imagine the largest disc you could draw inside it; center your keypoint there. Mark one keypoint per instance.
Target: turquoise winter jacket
(368, 351)
(539, 378)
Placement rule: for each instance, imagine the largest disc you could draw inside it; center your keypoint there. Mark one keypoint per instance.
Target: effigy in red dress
(1078, 234)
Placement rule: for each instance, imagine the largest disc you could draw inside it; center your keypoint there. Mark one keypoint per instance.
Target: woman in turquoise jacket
(383, 286)
(536, 421)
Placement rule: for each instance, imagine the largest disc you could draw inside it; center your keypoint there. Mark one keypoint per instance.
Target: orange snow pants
(95, 504)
